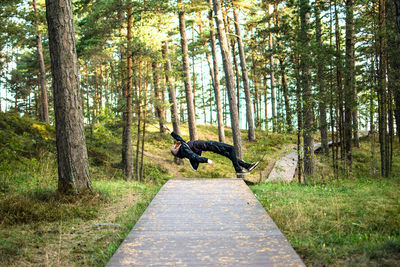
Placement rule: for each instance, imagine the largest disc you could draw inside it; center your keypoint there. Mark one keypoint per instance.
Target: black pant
(227, 151)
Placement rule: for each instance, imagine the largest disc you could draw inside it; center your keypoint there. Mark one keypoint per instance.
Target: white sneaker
(253, 165)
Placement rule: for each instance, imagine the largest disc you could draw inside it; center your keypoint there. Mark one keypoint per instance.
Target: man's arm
(174, 135)
(177, 137)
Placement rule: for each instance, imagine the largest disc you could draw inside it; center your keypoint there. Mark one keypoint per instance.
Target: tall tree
(339, 80)
(322, 101)
(44, 107)
(397, 5)
(251, 135)
(395, 63)
(229, 78)
(186, 74)
(172, 94)
(308, 114)
(158, 99)
(127, 153)
(382, 91)
(73, 166)
(349, 83)
(216, 83)
(272, 67)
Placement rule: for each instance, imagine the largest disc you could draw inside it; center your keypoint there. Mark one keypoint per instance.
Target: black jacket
(191, 151)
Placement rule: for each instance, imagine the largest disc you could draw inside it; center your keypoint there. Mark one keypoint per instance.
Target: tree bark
(323, 125)
(251, 135)
(395, 69)
(172, 96)
(271, 63)
(229, 76)
(158, 103)
(283, 77)
(73, 166)
(44, 106)
(127, 155)
(382, 94)
(349, 84)
(286, 96)
(339, 82)
(216, 84)
(171, 90)
(307, 94)
(397, 4)
(186, 74)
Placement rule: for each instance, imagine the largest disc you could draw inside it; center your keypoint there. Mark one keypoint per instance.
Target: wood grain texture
(205, 222)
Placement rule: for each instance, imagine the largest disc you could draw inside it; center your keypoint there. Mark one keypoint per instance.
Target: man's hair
(175, 148)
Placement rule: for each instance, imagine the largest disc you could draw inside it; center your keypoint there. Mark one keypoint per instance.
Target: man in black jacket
(192, 150)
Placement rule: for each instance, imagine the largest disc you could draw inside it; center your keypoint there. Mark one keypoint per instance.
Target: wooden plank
(205, 222)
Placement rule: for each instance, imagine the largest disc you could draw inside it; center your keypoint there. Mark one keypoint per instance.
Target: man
(192, 150)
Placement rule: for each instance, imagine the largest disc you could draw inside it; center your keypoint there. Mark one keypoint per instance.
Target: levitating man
(192, 150)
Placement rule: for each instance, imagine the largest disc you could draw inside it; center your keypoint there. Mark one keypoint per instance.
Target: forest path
(205, 222)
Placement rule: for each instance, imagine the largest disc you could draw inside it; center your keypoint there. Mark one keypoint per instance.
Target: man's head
(175, 148)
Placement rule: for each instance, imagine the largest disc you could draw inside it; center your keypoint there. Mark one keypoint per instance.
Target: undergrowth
(346, 220)
(330, 221)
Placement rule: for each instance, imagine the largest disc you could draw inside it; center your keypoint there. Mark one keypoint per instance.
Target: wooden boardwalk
(205, 222)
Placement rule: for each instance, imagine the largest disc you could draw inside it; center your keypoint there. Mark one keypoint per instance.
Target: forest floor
(330, 221)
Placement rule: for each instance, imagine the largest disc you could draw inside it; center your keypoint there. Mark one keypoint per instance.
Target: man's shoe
(253, 165)
(194, 164)
(242, 172)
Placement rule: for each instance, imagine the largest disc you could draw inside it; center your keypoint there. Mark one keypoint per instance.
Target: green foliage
(351, 220)
(46, 206)
(22, 137)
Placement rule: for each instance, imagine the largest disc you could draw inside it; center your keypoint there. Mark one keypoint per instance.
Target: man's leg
(244, 164)
(227, 151)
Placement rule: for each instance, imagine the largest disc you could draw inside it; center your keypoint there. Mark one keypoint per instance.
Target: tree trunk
(299, 109)
(382, 95)
(44, 111)
(339, 82)
(307, 93)
(158, 103)
(73, 166)
(286, 96)
(397, 4)
(138, 85)
(216, 84)
(127, 123)
(87, 95)
(144, 131)
(395, 69)
(172, 96)
(271, 63)
(349, 84)
(249, 114)
(186, 75)
(230, 84)
(235, 70)
(96, 97)
(323, 125)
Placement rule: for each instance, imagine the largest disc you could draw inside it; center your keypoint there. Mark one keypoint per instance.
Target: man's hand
(167, 128)
(209, 161)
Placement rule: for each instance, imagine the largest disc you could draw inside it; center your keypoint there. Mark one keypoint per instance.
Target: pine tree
(230, 84)
(73, 167)
(186, 74)
(307, 94)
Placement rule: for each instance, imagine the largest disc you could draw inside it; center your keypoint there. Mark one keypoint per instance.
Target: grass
(80, 232)
(347, 221)
(350, 221)
(39, 226)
